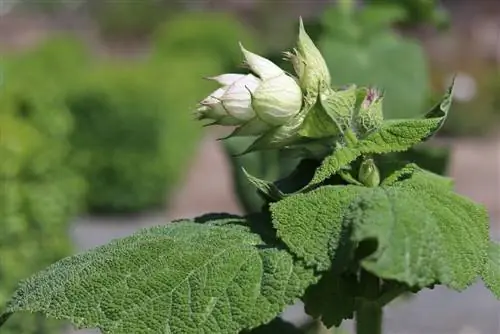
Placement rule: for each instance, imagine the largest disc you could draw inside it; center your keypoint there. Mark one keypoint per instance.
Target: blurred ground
(475, 166)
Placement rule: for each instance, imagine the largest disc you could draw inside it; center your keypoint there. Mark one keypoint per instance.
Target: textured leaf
(333, 298)
(180, 278)
(392, 136)
(331, 115)
(425, 233)
(310, 224)
(491, 271)
(266, 187)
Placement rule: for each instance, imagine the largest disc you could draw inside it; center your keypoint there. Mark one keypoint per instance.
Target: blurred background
(97, 136)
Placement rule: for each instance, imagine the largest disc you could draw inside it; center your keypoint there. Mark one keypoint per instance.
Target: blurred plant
(360, 46)
(418, 12)
(39, 193)
(130, 140)
(204, 34)
(131, 19)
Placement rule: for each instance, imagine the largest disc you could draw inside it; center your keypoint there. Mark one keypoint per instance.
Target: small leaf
(310, 224)
(491, 270)
(333, 298)
(180, 278)
(392, 136)
(331, 115)
(425, 233)
(267, 188)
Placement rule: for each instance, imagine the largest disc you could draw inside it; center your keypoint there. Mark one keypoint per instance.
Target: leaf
(425, 233)
(310, 224)
(491, 270)
(410, 169)
(286, 186)
(180, 278)
(392, 136)
(332, 113)
(266, 187)
(333, 298)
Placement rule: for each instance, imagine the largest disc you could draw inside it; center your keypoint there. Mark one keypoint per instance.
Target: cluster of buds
(282, 109)
(257, 102)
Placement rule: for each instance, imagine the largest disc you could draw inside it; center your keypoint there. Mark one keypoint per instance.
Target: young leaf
(392, 136)
(180, 278)
(491, 271)
(310, 224)
(425, 233)
(267, 188)
(333, 298)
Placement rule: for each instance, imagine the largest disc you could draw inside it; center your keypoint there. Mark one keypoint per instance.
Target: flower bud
(277, 100)
(370, 115)
(261, 66)
(255, 104)
(309, 64)
(369, 174)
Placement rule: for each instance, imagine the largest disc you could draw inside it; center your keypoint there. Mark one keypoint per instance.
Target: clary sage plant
(347, 232)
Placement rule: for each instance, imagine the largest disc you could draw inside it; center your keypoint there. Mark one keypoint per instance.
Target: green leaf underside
(333, 299)
(180, 278)
(425, 233)
(491, 271)
(392, 136)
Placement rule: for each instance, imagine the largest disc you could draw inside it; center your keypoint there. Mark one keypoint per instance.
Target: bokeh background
(97, 136)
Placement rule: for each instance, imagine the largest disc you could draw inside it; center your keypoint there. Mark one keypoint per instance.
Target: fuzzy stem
(369, 318)
(369, 312)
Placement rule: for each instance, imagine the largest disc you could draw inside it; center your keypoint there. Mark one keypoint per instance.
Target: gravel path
(437, 311)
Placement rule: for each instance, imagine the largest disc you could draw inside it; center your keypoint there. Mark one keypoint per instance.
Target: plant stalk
(369, 318)
(369, 312)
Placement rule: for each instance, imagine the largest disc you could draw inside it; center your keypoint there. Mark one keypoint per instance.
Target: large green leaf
(491, 271)
(424, 232)
(185, 277)
(310, 224)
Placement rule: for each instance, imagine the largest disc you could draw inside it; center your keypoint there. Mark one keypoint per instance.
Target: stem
(369, 312)
(369, 318)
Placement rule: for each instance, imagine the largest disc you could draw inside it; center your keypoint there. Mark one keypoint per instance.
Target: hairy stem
(369, 312)
(369, 318)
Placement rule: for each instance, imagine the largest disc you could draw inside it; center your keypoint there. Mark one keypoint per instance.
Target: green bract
(347, 231)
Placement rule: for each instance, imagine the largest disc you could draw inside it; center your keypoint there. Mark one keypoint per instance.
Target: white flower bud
(277, 100)
(263, 67)
(237, 100)
(227, 79)
(255, 104)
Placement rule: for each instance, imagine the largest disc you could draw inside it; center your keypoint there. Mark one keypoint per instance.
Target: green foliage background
(39, 194)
